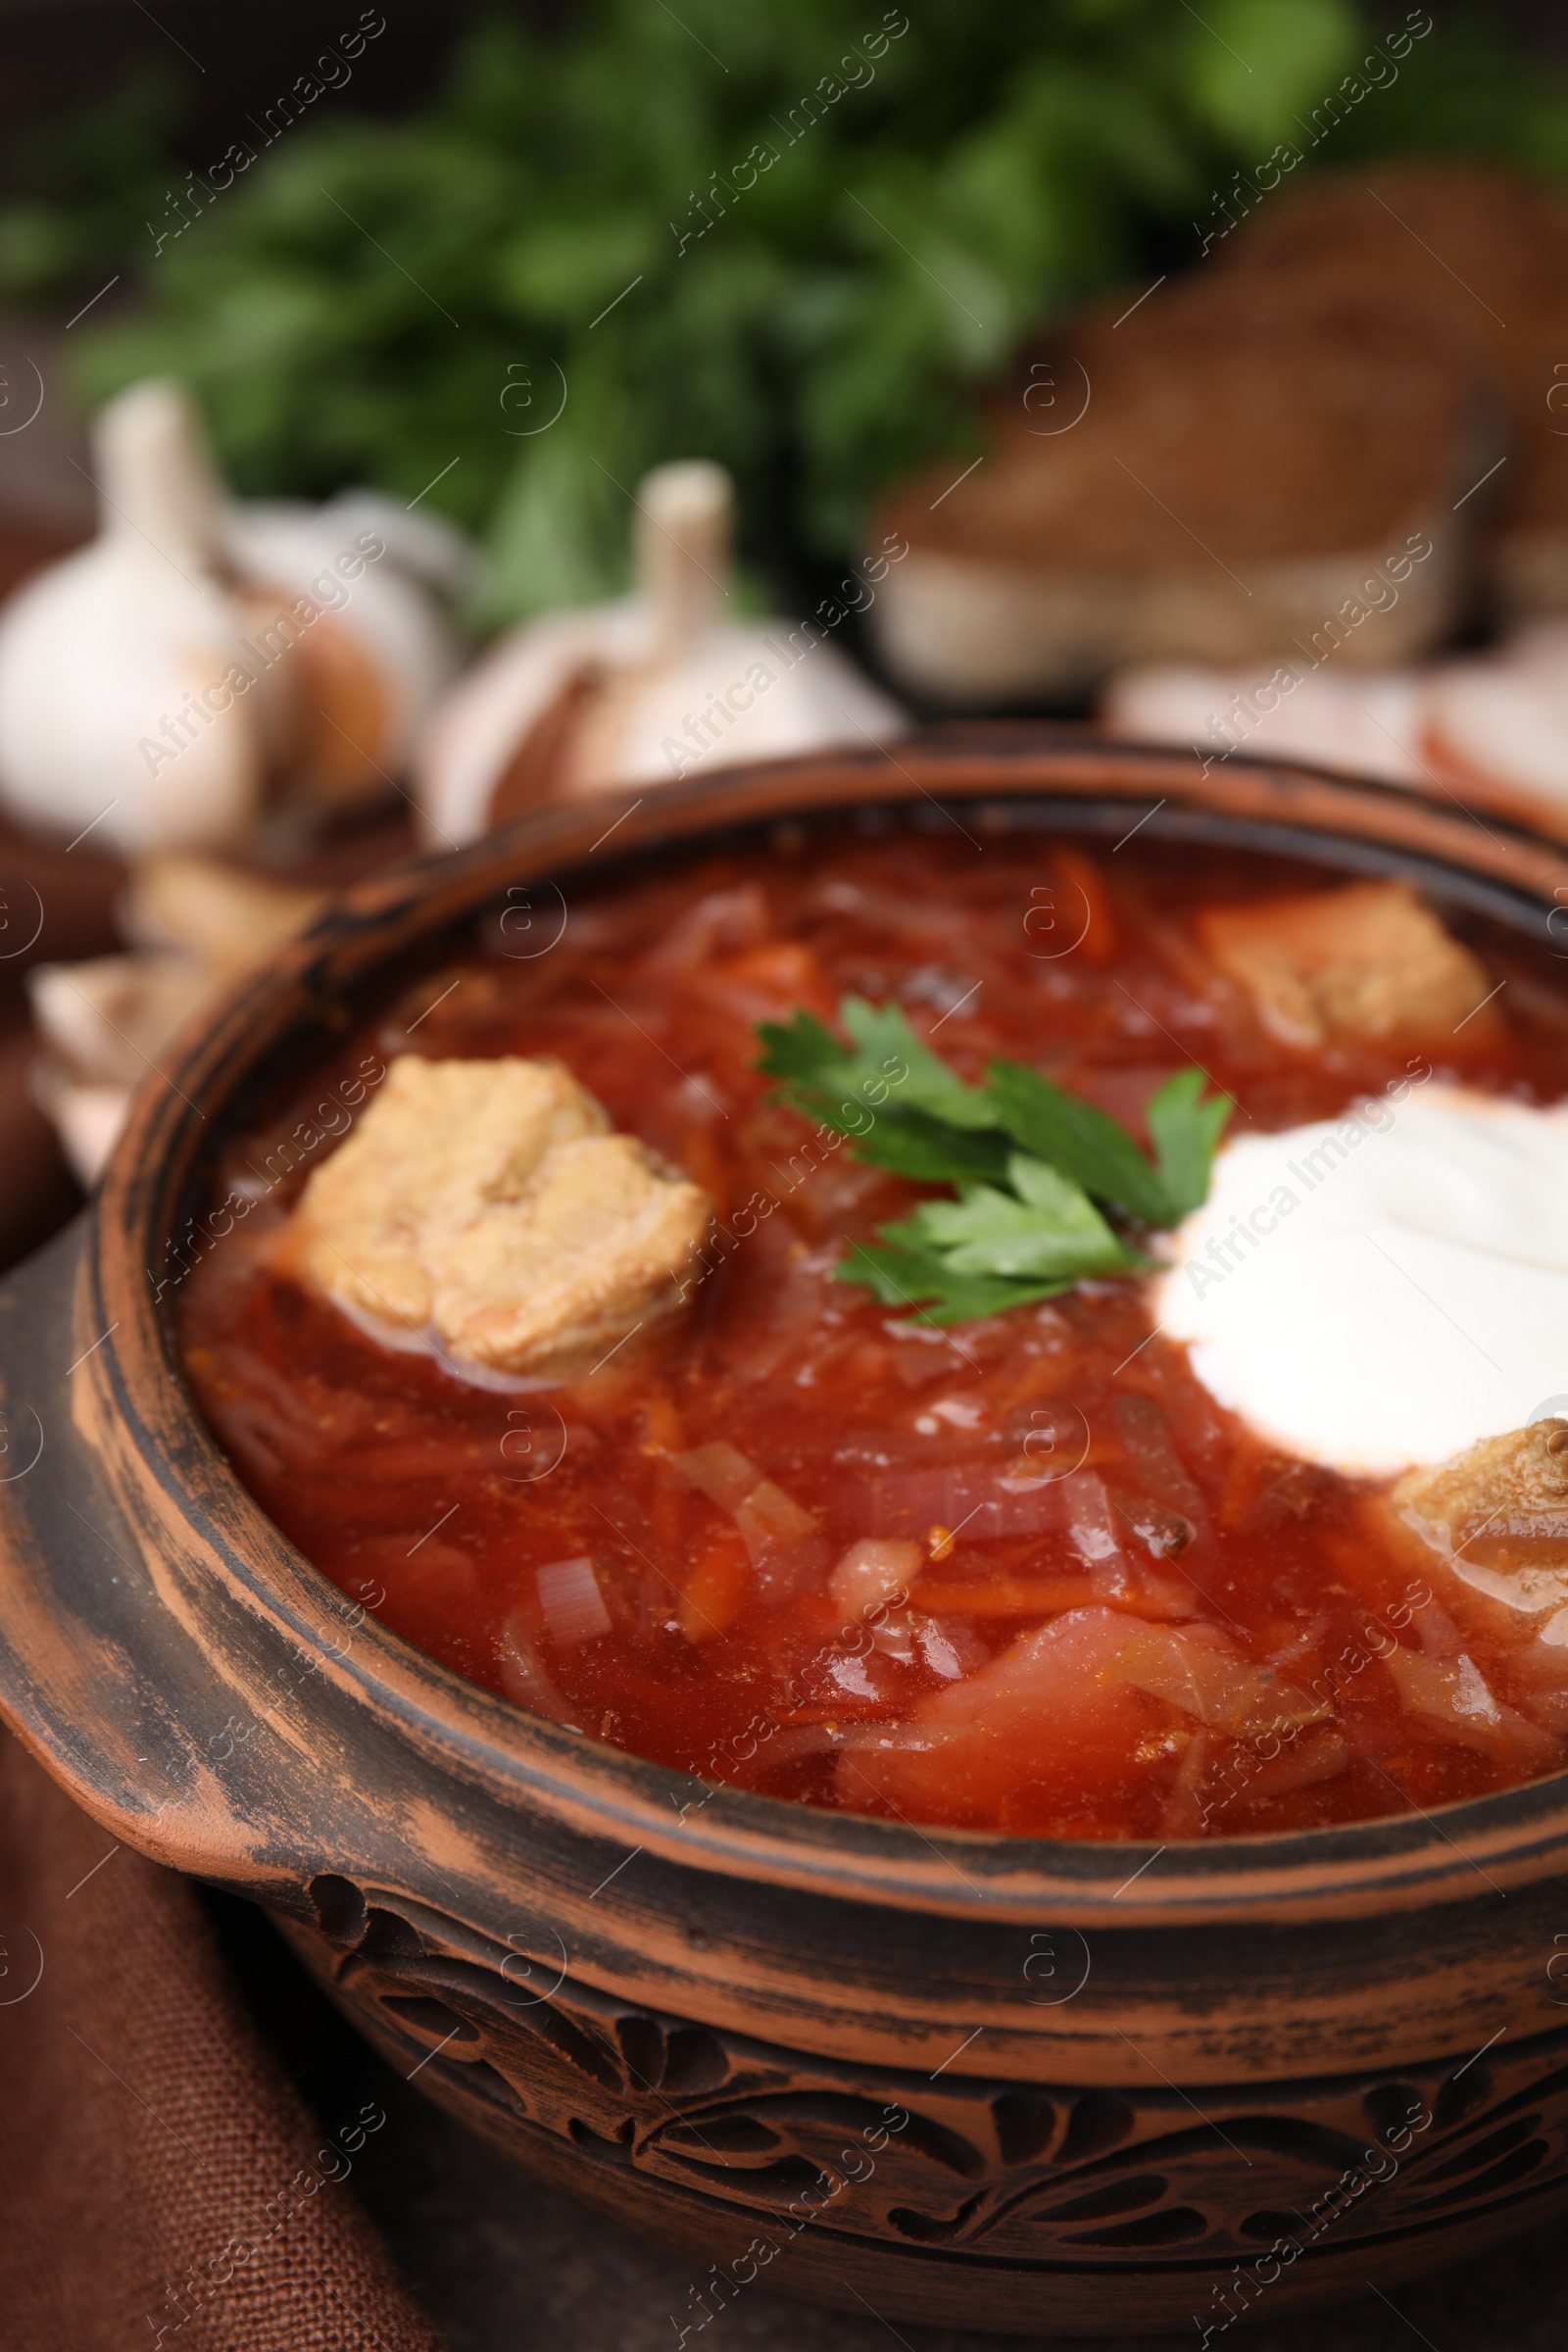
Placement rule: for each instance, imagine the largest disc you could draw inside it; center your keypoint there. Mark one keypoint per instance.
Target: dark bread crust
(1482, 254)
(1224, 423)
(1245, 464)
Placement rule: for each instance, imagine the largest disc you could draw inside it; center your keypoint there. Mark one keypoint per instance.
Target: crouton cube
(1369, 960)
(483, 1208)
(1499, 1515)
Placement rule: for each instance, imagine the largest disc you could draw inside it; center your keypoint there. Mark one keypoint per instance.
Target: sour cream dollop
(1384, 1289)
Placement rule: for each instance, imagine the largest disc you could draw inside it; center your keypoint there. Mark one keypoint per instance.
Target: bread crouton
(1369, 960)
(1499, 1514)
(483, 1207)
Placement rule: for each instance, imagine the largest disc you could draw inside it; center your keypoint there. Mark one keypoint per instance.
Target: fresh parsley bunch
(389, 302)
(1040, 1173)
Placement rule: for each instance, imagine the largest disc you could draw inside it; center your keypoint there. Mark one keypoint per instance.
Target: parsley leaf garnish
(900, 1101)
(1185, 1130)
(1039, 1172)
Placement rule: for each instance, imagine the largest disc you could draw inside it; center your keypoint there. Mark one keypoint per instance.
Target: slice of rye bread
(1484, 253)
(1232, 473)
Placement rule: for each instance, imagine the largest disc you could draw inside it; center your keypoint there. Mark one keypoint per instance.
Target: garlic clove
(86, 1118)
(1369, 725)
(684, 530)
(737, 696)
(425, 546)
(217, 913)
(645, 690)
(104, 1023)
(486, 725)
(1500, 723)
(108, 1020)
(368, 666)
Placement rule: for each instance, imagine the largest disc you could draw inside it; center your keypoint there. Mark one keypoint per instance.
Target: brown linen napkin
(161, 2183)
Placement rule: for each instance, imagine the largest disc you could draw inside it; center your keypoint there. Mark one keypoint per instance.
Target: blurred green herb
(1035, 1167)
(790, 236)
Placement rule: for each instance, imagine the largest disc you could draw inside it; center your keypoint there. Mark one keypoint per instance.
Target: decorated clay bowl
(999, 2082)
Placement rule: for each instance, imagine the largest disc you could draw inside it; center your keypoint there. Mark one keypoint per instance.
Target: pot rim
(1006, 778)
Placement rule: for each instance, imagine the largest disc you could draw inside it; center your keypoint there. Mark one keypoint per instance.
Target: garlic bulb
(113, 647)
(197, 662)
(666, 683)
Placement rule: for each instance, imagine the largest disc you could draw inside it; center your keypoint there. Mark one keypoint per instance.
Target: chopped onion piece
(720, 1471)
(1090, 1522)
(798, 1743)
(1320, 1753)
(524, 1677)
(771, 1520)
(852, 1676)
(573, 1605)
(1095, 1531)
(1530, 1590)
(936, 1650)
(1165, 1531)
(1184, 1812)
(873, 1570)
(895, 1638)
(772, 1524)
(907, 1737)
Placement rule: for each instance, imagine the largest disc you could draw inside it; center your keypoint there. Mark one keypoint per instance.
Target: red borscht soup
(1023, 1571)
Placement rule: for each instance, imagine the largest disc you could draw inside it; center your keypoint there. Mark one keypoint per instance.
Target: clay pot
(1005, 2084)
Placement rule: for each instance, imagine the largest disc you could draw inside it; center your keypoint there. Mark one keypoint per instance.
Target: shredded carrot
(1101, 940)
(662, 1429)
(714, 1587)
(704, 1159)
(786, 970)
